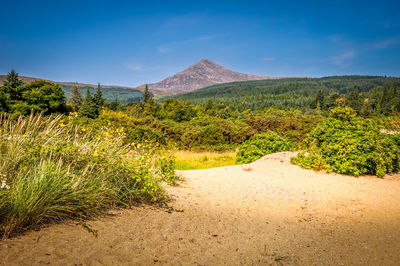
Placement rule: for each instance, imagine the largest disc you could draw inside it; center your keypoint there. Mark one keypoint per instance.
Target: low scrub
(52, 170)
(347, 144)
(261, 145)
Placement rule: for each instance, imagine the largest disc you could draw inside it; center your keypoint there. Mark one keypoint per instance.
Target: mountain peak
(202, 74)
(206, 61)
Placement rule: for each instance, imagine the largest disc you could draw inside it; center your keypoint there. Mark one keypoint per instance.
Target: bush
(351, 145)
(292, 125)
(261, 145)
(145, 133)
(51, 169)
(40, 96)
(211, 133)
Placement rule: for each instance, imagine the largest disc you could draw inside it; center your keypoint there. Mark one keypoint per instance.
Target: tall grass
(52, 170)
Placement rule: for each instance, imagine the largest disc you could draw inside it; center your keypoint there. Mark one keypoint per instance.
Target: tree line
(46, 97)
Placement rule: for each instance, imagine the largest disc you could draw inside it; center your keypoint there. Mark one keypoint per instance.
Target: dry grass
(189, 160)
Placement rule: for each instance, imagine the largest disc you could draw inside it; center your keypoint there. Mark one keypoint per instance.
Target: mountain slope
(283, 93)
(202, 74)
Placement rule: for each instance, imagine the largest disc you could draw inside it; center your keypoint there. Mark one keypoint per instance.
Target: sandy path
(268, 212)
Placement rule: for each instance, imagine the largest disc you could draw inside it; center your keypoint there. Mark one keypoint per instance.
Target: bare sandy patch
(267, 212)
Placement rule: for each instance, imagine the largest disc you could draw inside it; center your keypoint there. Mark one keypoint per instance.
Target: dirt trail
(265, 213)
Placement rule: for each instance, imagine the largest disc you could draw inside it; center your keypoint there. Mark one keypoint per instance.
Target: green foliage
(115, 94)
(115, 106)
(146, 94)
(202, 132)
(89, 108)
(51, 170)
(347, 144)
(75, 99)
(4, 101)
(293, 125)
(142, 133)
(343, 113)
(38, 96)
(176, 110)
(261, 145)
(167, 167)
(298, 93)
(13, 86)
(210, 133)
(41, 96)
(98, 97)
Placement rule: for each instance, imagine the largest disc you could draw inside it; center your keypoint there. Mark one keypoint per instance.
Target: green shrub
(167, 167)
(51, 169)
(347, 144)
(146, 133)
(211, 133)
(261, 145)
(292, 125)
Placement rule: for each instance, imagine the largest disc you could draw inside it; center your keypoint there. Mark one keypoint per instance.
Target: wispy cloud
(134, 67)
(383, 44)
(267, 59)
(343, 59)
(162, 50)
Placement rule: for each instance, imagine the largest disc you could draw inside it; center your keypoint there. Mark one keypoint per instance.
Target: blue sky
(135, 42)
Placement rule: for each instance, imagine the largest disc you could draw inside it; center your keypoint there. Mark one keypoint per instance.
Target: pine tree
(355, 100)
(98, 97)
(89, 108)
(13, 86)
(4, 105)
(75, 99)
(318, 102)
(146, 94)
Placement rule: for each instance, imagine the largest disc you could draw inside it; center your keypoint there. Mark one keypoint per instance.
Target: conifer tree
(3, 101)
(13, 86)
(98, 97)
(146, 94)
(318, 102)
(89, 108)
(75, 99)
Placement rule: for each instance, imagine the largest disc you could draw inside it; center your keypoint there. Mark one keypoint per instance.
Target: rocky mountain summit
(202, 74)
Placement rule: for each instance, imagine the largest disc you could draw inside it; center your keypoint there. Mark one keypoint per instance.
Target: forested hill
(109, 93)
(287, 93)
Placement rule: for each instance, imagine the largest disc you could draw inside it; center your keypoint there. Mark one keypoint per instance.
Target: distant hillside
(110, 92)
(202, 74)
(283, 93)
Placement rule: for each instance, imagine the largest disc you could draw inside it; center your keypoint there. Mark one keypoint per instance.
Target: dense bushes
(261, 145)
(293, 125)
(51, 169)
(348, 144)
(210, 133)
(38, 96)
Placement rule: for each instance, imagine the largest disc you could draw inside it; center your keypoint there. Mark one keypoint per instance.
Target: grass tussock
(189, 160)
(51, 170)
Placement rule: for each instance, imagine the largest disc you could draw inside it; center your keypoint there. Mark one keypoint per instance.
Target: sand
(266, 213)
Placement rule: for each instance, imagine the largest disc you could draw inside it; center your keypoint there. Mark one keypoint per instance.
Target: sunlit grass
(189, 160)
(51, 170)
